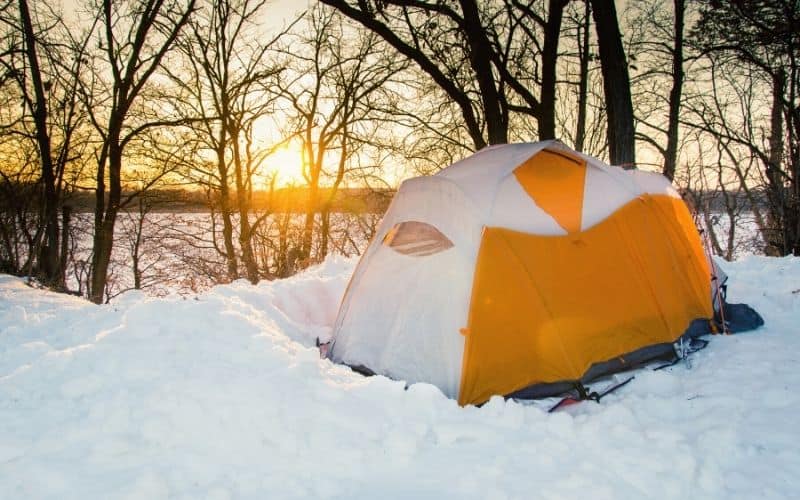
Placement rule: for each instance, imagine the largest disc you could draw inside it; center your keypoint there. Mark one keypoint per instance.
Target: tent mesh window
(417, 239)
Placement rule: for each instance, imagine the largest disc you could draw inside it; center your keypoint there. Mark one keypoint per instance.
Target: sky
(277, 15)
(280, 11)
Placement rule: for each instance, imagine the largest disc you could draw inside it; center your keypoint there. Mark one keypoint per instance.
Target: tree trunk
(793, 158)
(49, 268)
(778, 228)
(48, 259)
(137, 245)
(308, 226)
(66, 221)
(325, 211)
(227, 235)
(552, 33)
(137, 273)
(671, 154)
(324, 234)
(282, 259)
(480, 59)
(243, 205)
(105, 220)
(616, 85)
(583, 77)
(245, 243)
(103, 244)
(225, 212)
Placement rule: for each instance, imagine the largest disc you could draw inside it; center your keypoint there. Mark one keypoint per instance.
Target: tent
(523, 270)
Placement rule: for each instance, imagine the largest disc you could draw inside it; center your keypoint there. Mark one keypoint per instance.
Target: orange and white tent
(521, 266)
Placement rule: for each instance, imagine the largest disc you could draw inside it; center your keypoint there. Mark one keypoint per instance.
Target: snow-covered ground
(224, 396)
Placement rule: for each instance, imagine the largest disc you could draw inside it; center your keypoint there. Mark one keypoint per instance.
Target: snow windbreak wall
(534, 263)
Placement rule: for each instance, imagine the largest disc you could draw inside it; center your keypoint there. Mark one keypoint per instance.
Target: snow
(223, 396)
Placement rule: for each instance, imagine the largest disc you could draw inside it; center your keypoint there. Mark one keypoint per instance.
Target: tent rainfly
(521, 271)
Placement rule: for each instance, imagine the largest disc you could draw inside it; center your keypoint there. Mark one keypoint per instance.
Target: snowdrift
(224, 396)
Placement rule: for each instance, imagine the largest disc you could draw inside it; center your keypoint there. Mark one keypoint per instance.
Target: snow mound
(224, 396)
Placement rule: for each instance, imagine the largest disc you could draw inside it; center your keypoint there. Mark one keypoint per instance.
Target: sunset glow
(286, 164)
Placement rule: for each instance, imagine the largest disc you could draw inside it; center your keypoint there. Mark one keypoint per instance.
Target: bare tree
(757, 44)
(498, 61)
(723, 210)
(45, 59)
(584, 56)
(134, 38)
(657, 48)
(491, 59)
(581, 111)
(334, 95)
(137, 232)
(226, 82)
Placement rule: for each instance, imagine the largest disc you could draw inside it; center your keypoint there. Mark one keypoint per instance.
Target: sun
(286, 164)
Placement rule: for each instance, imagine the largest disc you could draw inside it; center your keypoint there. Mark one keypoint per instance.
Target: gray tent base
(640, 357)
(738, 318)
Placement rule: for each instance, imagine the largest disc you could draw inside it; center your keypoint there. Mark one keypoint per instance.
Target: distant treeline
(284, 200)
(346, 200)
(720, 201)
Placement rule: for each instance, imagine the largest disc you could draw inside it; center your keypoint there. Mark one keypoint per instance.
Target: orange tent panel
(545, 308)
(555, 181)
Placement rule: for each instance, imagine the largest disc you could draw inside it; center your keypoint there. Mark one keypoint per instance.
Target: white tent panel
(402, 315)
(604, 191)
(514, 209)
(491, 162)
(479, 175)
(608, 188)
(438, 202)
(653, 183)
